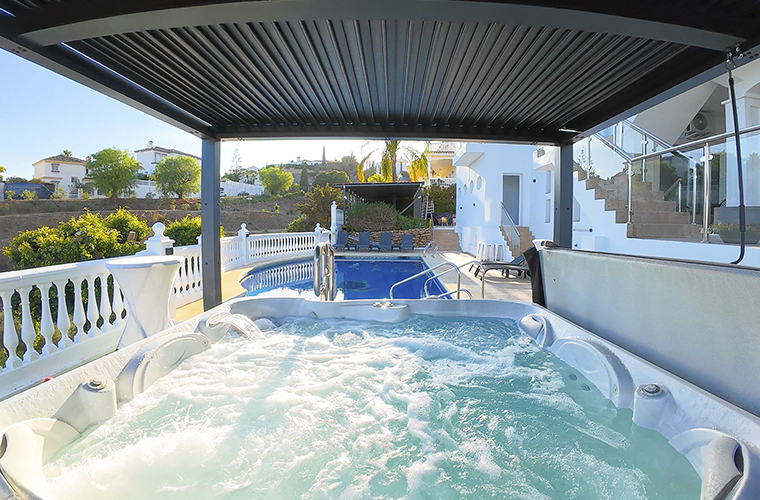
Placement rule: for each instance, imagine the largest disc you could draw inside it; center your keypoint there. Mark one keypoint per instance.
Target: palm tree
(66, 152)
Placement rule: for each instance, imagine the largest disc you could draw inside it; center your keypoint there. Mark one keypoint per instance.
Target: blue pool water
(355, 278)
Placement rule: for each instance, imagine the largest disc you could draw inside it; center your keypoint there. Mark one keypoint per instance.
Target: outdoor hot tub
(296, 398)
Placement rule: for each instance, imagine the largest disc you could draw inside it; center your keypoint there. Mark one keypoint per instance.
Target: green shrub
(28, 195)
(376, 216)
(59, 194)
(86, 237)
(185, 231)
(317, 210)
(444, 198)
(184, 206)
(404, 223)
(300, 224)
(9, 195)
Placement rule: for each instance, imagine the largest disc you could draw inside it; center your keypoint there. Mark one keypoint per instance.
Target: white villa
(667, 218)
(149, 157)
(66, 172)
(70, 173)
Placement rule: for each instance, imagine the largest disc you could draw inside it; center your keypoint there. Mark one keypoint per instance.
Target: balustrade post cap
(158, 230)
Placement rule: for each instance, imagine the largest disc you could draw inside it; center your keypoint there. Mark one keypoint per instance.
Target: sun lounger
(518, 265)
(386, 242)
(365, 243)
(342, 243)
(407, 242)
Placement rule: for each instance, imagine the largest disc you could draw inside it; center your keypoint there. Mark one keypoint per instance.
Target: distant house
(66, 172)
(152, 155)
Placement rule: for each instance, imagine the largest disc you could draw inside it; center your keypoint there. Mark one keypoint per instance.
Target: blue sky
(43, 113)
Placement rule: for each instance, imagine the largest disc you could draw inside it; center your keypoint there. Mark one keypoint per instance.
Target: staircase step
(687, 232)
(447, 239)
(617, 194)
(661, 217)
(641, 206)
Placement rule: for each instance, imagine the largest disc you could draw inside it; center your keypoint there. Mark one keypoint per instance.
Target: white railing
(188, 286)
(55, 318)
(281, 275)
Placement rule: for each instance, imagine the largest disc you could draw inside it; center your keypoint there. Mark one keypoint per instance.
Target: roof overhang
(382, 191)
(424, 69)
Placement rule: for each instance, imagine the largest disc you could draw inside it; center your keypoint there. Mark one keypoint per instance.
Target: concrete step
(601, 193)
(641, 206)
(685, 232)
(661, 217)
(447, 239)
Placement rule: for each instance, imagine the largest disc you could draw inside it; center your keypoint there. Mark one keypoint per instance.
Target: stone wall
(421, 237)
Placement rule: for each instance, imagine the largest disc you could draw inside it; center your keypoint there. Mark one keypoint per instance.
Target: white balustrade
(30, 317)
(188, 285)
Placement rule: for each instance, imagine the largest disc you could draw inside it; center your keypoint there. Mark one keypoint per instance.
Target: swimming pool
(355, 278)
(520, 422)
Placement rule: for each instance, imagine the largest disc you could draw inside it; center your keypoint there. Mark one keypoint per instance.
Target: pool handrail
(324, 271)
(466, 291)
(422, 273)
(433, 244)
(471, 262)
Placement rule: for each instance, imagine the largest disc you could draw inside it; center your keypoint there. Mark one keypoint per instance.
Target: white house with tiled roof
(150, 156)
(61, 170)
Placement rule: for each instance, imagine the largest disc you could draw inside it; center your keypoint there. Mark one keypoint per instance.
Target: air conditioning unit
(699, 127)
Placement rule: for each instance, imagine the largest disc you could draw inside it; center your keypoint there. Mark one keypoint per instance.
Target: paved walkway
(496, 286)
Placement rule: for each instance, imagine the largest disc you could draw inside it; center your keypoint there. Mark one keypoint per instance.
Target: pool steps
(658, 400)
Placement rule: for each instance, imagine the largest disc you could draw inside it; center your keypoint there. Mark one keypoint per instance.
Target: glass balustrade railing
(709, 196)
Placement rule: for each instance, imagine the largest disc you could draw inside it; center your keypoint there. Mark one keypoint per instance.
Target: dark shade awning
(383, 191)
(437, 69)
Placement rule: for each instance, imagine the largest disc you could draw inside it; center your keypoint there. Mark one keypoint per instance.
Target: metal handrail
(466, 291)
(698, 142)
(647, 133)
(469, 263)
(422, 273)
(613, 147)
(434, 244)
(513, 232)
(324, 271)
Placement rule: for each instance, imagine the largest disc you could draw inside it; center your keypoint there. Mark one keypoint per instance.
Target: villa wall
(479, 193)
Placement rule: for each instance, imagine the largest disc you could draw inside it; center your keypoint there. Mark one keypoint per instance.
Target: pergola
(543, 71)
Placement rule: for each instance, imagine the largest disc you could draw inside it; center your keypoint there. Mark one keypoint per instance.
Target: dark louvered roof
(487, 70)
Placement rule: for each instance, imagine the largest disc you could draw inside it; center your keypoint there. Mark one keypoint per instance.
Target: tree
(332, 177)
(13, 179)
(180, 175)
(388, 162)
(275, 180)
(2, 169)
(237, 160)
(66, 152)
(317, 210)
(113, 171)
(418, 164)
(304, 181)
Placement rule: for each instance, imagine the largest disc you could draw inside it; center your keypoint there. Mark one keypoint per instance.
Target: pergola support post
(563, 197)
(210, 215)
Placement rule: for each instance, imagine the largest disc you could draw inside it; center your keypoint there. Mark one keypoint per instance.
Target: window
(54, 167)
(159, 157)
(74, 180)
(548, 182)
(548, 211)
(576, 210)
(86, 171)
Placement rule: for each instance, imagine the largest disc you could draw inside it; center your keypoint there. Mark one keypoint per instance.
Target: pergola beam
(211, 274)
(94, 18)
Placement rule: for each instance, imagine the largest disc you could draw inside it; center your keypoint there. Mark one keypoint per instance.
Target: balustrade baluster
(105, 302)
(62, 321)
(47, 328)
(118, 305)
(92, 307)
(28, 334)
(10, 335)
(79, 316)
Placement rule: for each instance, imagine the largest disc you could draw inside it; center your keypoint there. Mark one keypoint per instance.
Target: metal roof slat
(359, 63)
(617, 81)
(161, 54)
(328, 37)
(455, 68)
(289, 69)
(489, 51)
(580, 46)
(198, 37)
(251, 73)
(422, 70)
(312, 37)
(352, 65)
(183, 50)
(120, 61)
(612, 46)
(375, 89)
(249, 43)
(589, 80)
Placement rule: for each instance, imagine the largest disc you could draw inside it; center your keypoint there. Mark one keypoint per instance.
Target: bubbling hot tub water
(430, 408)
